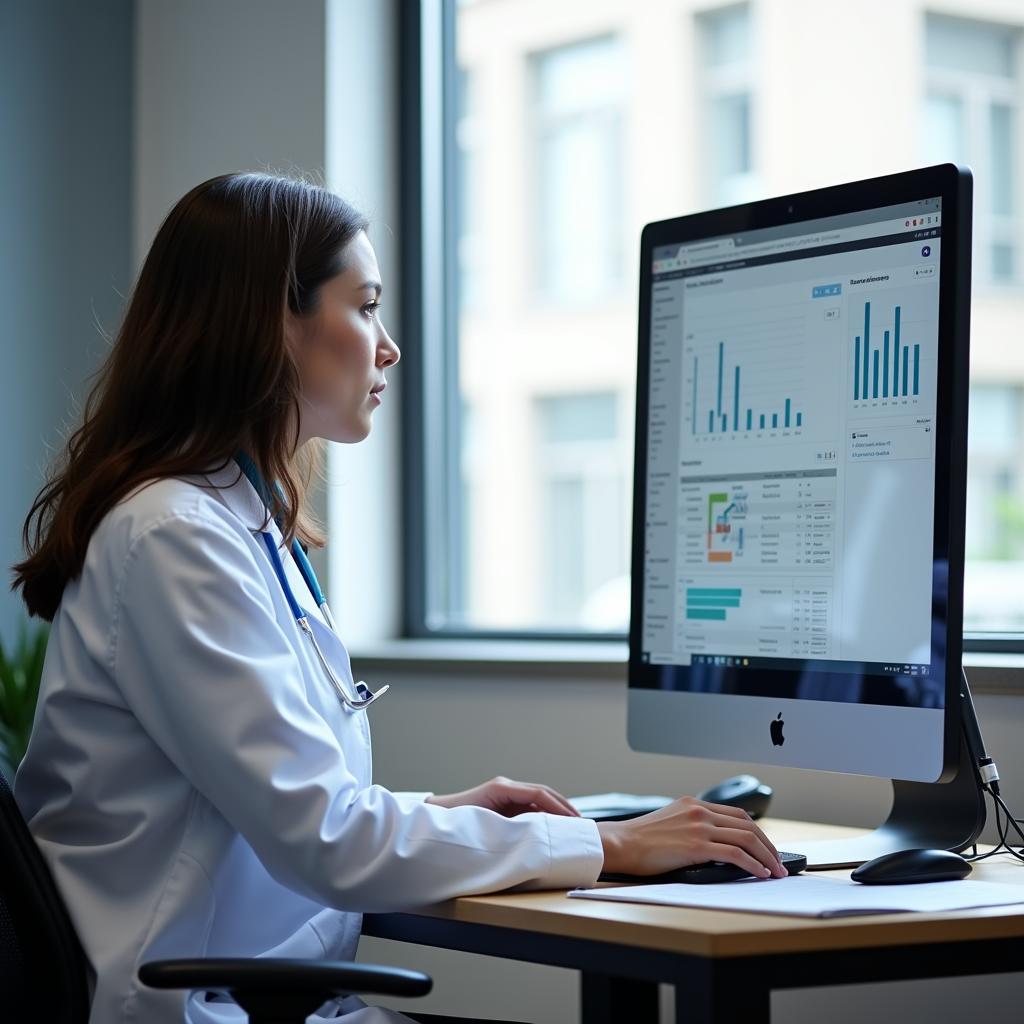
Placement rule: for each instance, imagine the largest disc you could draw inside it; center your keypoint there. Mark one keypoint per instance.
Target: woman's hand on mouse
(688, 831)
(508, 797)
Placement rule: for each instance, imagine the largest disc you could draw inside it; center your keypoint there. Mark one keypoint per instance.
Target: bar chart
(711, 604)
(891, 370)
(725, 401)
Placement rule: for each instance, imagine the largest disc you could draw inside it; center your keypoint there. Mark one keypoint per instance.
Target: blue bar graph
(871, 365)
(896, 351)
(721, 418)
(885, 366)
(867, 345)
(694, 406)
(721, 357)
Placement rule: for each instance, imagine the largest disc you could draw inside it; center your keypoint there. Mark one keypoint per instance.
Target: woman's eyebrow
(374, 286)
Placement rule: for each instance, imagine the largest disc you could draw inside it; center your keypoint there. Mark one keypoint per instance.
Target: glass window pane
(579, 168)
(730, 135)
(579, 77)
(566, 557)
(994, 583)
(1001, 169)
(584, 417)
(579, 176)
(945, 134)
(1003, 262)
(568, 141)
(959, 44)
(992, 425)
(727, 36)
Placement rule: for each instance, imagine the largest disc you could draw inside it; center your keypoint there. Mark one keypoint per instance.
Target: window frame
(431, 422)
(431, 429)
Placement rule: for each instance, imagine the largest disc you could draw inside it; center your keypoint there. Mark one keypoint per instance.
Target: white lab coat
(198, 790)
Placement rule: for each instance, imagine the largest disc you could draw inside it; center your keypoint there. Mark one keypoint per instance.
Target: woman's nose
(389, 352)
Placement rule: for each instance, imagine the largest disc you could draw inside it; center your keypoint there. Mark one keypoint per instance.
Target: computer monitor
(800, 479)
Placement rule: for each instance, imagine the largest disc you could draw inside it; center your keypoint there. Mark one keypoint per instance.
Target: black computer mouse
(743, 791)
(907, 866)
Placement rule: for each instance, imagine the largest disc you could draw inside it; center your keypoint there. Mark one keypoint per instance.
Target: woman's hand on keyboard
(688, 831)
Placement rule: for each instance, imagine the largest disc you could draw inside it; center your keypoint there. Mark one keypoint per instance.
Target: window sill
(594, 659)
(988, 673)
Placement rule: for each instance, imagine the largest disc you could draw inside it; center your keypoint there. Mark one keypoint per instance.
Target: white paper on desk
(809, 896)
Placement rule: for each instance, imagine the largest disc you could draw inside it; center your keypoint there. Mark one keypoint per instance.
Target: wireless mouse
(744, 791)
(906, 866)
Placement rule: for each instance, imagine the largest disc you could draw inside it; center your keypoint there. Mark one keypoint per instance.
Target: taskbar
(860, 668)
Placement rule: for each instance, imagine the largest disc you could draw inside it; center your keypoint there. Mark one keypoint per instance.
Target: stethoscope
(366, 695)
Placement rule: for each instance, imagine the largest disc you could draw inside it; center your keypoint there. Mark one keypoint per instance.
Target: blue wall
(65, 230)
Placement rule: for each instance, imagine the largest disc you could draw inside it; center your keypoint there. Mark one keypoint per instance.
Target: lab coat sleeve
(210, 674)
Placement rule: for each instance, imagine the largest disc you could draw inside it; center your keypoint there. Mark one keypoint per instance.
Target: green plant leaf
(20, 675)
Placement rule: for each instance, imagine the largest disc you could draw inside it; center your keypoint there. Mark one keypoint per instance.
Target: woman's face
(342, 351)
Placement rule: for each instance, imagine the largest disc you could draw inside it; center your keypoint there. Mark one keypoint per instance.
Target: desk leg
(719, 996)
(607, 1000)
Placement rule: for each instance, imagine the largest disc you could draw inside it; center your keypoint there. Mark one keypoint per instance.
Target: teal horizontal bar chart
(712, 602)
(716, 614)
(713, 592)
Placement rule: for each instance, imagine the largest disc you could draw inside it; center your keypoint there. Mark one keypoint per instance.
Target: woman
(198, 776)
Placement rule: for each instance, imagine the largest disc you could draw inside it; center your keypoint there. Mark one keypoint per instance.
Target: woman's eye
(370, 309)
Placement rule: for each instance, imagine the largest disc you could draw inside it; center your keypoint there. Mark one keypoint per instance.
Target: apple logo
(776, 729)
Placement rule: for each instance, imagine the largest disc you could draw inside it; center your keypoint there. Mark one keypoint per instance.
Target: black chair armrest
(279, 990)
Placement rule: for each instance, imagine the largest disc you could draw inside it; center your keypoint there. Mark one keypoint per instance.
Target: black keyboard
(711, 871)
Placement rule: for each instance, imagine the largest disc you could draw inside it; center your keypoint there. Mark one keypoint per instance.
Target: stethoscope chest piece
(364, 695)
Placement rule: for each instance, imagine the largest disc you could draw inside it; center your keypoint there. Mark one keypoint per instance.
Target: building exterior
(581, 120)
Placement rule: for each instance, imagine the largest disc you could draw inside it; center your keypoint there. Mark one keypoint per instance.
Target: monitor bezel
(954, 185)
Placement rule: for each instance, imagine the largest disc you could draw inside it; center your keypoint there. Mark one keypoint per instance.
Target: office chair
(42, 963)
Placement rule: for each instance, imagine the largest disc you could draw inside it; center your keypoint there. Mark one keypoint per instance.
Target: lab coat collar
(242, 498)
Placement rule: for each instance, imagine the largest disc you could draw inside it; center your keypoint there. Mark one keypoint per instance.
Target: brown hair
(199, 369)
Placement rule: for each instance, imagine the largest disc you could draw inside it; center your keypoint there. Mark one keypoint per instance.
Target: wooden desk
(723, 965)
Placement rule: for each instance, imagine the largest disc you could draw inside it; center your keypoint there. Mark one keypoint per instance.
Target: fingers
(738, 856)
(752, 845)
(543, 798)
(743, 816)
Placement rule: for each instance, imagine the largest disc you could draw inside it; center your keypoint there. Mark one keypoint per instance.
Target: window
(541, 139)
(994, 588)
(971, 117)
(726, 68)
(582, 468)
(579, 174)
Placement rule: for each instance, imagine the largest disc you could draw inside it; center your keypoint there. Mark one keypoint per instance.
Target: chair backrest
(42, 966)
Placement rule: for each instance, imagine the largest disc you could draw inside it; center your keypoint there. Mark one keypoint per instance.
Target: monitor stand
(925, 815)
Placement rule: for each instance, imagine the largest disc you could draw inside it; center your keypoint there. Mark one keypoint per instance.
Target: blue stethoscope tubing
(365, 695)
